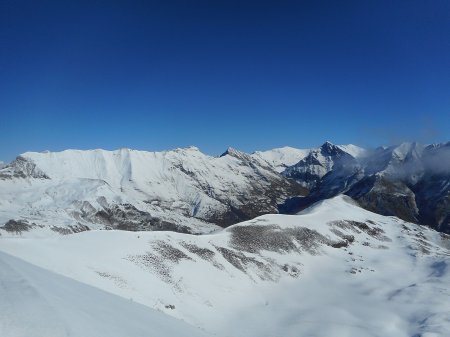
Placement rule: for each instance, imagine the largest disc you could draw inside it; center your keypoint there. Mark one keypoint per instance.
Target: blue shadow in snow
(439, 268)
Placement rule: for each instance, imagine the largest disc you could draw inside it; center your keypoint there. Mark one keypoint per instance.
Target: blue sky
(248, 74)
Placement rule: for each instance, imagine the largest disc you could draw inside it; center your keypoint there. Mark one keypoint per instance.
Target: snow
(281, 158)
(39, 303)
(353, 150)
(183, 187)
(391, 279)
(320, 161)
(334, 269)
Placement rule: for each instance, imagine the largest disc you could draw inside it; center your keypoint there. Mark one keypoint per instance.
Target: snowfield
(36, 302)
(332, 270)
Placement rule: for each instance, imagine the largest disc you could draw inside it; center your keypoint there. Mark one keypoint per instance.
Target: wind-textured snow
(333, 270)
(39, 303)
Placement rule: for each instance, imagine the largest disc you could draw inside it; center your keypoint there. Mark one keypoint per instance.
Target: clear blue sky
(249, 74)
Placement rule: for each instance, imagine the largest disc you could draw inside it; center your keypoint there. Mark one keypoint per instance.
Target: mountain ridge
(186, 190)
(408, 180)
(182, 189)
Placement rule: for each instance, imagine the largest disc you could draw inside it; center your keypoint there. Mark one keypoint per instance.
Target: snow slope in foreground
(39, 303)
(333, 270)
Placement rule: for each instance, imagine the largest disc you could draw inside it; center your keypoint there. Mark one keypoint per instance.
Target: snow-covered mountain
(289, 158)
(332, 270)
(410, 180)
(318, 162)
(187, 191)
(183, 190)
(281, 158)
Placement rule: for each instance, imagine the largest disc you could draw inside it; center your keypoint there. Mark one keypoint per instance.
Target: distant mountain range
(187, 191)
(182, 190)
(410, 181)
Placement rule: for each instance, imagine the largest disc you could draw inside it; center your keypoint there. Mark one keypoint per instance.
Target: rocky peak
(329, 150)
(327, 146)
(236, 153)
(22, 167)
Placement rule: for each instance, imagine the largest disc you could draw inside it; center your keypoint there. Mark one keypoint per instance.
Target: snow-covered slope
(183, 190)
(354, 150)
(39, 303)
(281, 158)
(333, 270)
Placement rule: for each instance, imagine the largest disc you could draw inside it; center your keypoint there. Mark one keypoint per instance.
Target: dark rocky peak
(330, 150)
(316, 156)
